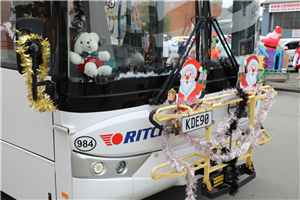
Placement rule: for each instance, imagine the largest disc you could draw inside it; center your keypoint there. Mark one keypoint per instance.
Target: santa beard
(251, 78)
(187, 86)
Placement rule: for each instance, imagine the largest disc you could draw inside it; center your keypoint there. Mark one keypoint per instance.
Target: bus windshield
(117, 52)
(128, 65)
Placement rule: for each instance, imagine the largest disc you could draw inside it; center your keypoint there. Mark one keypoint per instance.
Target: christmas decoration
(7, 26)
(266, 70)
(249, 78)
(271, 51)
(190, 88)
(43, 102)
(272, 39)
(79, 17)
(88, 60)
(115, 17)
(228, 126)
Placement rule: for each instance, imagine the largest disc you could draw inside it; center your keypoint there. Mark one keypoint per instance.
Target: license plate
(197, 121)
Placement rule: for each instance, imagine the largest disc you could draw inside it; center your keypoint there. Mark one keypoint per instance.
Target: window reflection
(133, 33)
(14, 10)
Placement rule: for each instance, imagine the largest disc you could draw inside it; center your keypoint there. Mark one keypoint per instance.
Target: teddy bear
(85, 56)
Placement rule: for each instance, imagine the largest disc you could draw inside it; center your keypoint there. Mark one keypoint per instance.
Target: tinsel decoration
(180, 166)
(248, 140)
(115, 17)
(234, 177)
(43, 102)
(79, 17)
(7, 26)
(242, 104)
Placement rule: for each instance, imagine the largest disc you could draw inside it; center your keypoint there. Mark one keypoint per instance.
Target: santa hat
(252, 59)
(278, 30)
(191, 64)
(271, 40)
(228, 37)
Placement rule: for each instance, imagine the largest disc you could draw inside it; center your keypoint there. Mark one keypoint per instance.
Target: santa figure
(271, 40)
(250, 78)
(296, 60)
(189, 87)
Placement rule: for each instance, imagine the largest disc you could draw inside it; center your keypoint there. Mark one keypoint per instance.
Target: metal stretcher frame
(210, 106)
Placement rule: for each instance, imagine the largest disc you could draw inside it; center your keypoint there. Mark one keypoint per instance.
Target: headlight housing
(99, 168)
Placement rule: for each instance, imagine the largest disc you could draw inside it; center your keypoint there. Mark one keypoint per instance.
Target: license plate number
(197, 121)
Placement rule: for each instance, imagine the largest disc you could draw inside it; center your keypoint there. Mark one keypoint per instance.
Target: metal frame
(204, 162)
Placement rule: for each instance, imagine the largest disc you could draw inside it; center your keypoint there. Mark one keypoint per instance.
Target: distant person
(166, 50)
(181, 45)
(296, 60)
(169, 40)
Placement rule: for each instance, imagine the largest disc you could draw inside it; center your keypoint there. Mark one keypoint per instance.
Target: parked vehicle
(289, 45)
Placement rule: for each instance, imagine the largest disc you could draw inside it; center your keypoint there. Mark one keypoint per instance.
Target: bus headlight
(120, 168)
(98, 168)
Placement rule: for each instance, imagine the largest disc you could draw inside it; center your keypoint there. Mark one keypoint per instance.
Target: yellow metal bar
(251, 122)
(263, 139)
(164, 117)
(171, 173)
(198, 164)
(204, 162)
(207, 160)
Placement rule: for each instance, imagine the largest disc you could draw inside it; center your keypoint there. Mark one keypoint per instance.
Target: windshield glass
(129, 35)
(126, 49)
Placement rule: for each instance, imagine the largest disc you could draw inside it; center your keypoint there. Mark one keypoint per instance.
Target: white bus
(99, 143)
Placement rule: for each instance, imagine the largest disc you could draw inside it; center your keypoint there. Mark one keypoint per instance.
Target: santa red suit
(189, 87)
(296, 60)
(272, 39)
(249, 79)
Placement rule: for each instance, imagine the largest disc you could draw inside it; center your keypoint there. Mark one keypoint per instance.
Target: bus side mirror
(35, 26)
(27, 26)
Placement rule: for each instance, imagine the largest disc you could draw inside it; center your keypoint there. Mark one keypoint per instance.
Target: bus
(95, 140)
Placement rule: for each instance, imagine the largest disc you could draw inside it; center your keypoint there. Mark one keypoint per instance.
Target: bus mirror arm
(35, 48)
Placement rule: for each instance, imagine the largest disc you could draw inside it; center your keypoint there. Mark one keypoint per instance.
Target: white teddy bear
(86, 57)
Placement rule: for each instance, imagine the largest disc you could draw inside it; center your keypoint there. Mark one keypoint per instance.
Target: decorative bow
(86, 54)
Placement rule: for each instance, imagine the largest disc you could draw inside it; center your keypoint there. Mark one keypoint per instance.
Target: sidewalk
(291, 85)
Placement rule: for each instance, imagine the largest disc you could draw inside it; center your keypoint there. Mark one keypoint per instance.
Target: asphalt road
(276, 163)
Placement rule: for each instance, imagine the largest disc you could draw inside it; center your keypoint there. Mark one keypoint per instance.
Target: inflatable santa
(250, 78)
(271, 40)
(189, 87)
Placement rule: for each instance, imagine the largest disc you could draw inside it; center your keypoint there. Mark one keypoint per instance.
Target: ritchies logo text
(131, 136)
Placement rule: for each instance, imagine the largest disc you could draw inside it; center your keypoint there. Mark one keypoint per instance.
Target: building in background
(283, 13)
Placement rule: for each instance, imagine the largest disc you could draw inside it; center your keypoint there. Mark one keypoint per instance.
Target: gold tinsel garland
(43, 101)
(115, 17)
